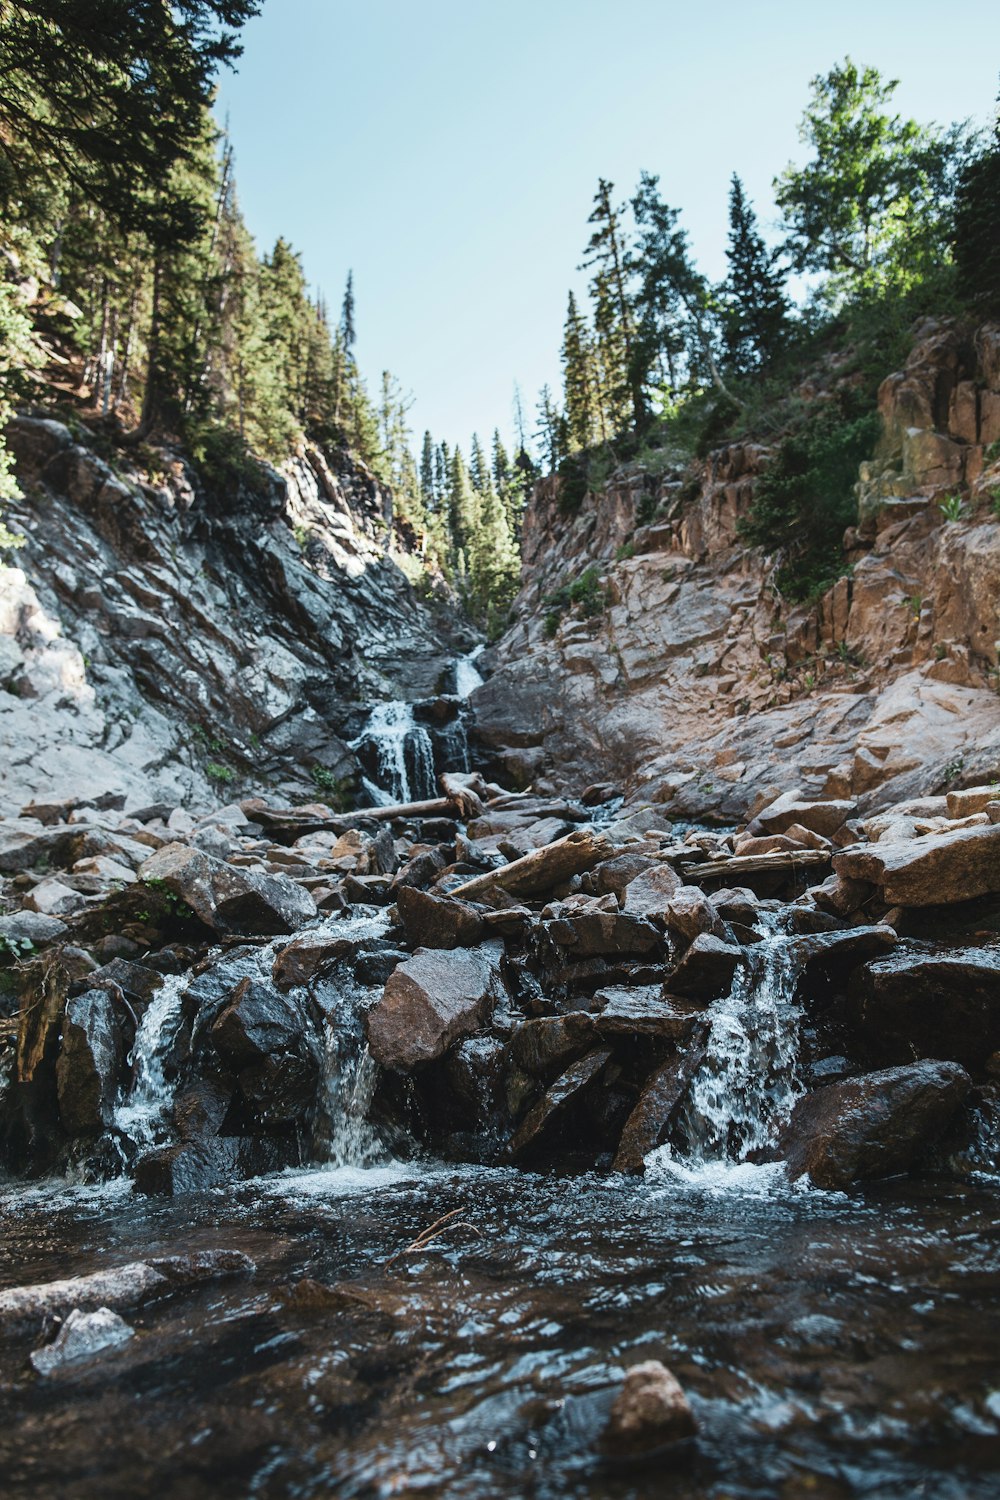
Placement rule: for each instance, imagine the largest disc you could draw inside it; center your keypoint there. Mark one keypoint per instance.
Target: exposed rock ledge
(696, 689)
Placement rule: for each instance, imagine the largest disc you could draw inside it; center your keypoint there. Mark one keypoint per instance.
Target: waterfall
(467, 674)
(748, 1079)
(142, 1116)
(403, 755)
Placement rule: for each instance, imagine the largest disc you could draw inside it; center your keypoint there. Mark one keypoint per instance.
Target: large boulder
(272, 1046)
(707, 970)
(438, 921)
(430, 1001)
(89, 1064)
(937, 869)
(874, 1126)
(229, 898)
(944, 1005)
(824, 817)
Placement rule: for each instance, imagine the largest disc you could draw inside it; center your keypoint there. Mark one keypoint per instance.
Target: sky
(448, 151)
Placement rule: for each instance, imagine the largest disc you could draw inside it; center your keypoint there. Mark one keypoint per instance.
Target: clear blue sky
(448, 150)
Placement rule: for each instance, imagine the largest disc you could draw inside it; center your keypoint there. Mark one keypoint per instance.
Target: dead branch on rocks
(427, 1236)
(543, 868)
(755, 864)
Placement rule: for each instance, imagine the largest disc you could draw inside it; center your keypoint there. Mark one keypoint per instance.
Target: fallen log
(754, 864)
(465, 791)
(543, 868)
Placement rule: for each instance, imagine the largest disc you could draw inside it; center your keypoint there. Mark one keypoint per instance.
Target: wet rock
(89, 1064)
(690, 914)
(647, 1125)
(649, 893)
(307, 956)
(430, 1001)
(928, 1005)
(82, 1336)
(651, 1412)
(644, 1011)
(840, 895)
(550, 1042)
(707, 969)
(438, 922)
(122, 1286)
(938, 869)
(422, 867)
(374, 966)
(592, 926)
(21, 931)
(554, 1103)
(273, 1048)
(737, 904)
(874, 1126)
(613, 876)
(367, 890)
(833, 955)
(228, 898)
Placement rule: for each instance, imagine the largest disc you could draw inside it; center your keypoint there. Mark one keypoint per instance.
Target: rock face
(430, 1001)
(89, 1063)
(875, 1126)
(928, 1005)
(692, 688)
(154, 640)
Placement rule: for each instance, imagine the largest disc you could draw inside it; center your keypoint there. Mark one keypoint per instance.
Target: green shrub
(804, 501)
(951, 508)
(219, 772)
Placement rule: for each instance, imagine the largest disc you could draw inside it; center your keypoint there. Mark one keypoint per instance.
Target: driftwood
(543, 868)
(755, 864)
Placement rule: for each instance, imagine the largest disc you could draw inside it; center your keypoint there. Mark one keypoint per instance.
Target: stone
(128, 1285)
(972, 799)
(430, 1001)
(644, 1011)
(824, 817)
(540, 1046)
(90, 1062)
(937, 869)
(309, 955)
(833, 955)
(691, 914)
(592, 926)
(647, 1125)
(874, 1126)
(21, 931)
(938, 1005)
(269, 1042)
(650, 1412)
(840, 895)
(707, 968)
(228, 898)
(53, 898)
(438, 922)
(648, 893)
(81, 1337)
(577, 1078)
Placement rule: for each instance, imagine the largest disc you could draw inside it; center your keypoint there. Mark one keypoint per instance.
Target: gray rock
(90, 1062)
(24, 930)
(82, 1336)
(229, 898)
(122, 1286)
(707, 969)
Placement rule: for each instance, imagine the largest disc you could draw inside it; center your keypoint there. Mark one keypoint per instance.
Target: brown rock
(690, 913)
(938, 869)
(430, 1001)
(644, 1011)
(550, 1042)
(650, 1413)
(646, 1127)
(971, 799)
(821, 817)
(874, 1126)
(226, 897)
(647, 894)
(554, 1102)
(438, 921)
(706, 971)
(928, 1005)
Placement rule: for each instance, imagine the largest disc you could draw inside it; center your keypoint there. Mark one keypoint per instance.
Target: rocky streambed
(499, 1095)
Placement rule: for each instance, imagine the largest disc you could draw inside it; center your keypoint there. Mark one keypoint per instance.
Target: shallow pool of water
(831, 1346)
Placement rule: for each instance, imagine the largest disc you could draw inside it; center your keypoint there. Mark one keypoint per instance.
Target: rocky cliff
(165, 638)
(675, 669)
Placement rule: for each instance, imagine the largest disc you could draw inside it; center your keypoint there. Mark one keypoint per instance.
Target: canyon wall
(681, 675)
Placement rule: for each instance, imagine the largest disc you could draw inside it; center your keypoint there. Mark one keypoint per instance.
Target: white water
(467, 674)
(393, 730)
(142, 1117)
(749, 1080)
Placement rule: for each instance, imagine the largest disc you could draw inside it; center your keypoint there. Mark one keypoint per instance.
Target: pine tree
(551, 430)
(755, 314)
(614, 319)
(429, 476)
(580, 382)
(977, 226)
(479, 470)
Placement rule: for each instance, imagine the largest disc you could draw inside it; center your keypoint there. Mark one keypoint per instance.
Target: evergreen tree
(614, 320)
(755, 313)
(479, 469)
(551, 430)
(429, 476)
(580, 381)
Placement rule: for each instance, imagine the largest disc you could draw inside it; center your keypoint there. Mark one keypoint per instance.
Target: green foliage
(335, 789)
(216, 771)
(583, 595)
(952, 507)
(625, 551)
(805, 499)
(225, 464)
(977, 226)
(755, 308)
(15, 948)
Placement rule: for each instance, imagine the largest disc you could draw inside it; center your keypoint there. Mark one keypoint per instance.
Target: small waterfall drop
(467, 674)
(749, 1079)
(142, 1117)
(403, 755)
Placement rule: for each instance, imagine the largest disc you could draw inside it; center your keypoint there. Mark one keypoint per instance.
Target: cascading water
(404, 755)
(467, 674)
(142, 1117)
(748, 1079)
